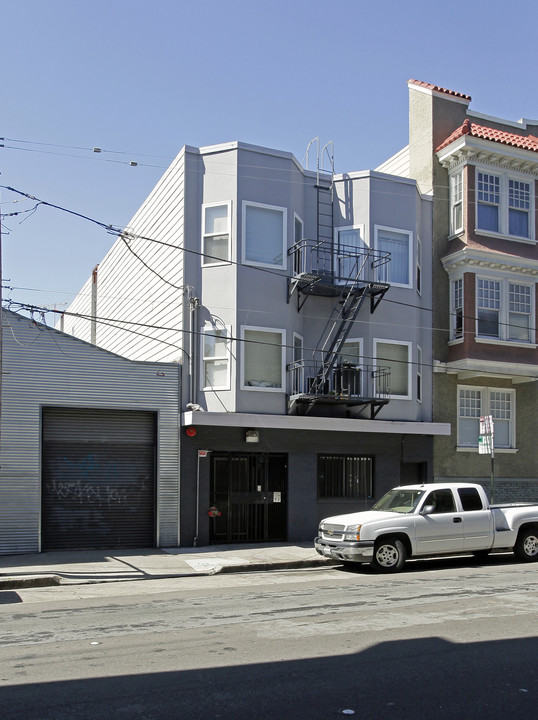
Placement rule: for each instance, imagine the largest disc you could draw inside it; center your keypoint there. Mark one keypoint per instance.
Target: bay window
(488, 200)
(399, 243)
(395, 356)
(457, 309)
(215, 359)
(419, 374)
(456, 203)
(264, 235)
(519, 203)
(504, 310)
(488, 305)
(504, 204)
(263, 359)
(349, 251)
(215, 233)
(519, 312)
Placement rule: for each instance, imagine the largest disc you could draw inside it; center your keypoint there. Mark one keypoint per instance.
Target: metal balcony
(347, 384)
(328, 269)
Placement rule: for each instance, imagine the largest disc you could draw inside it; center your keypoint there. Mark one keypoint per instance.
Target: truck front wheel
(389, 555)
(526, 547)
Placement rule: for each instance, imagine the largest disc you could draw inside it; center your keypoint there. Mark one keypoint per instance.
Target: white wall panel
(140, 290)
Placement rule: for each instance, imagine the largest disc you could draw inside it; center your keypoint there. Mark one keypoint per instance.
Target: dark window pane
(488, 217)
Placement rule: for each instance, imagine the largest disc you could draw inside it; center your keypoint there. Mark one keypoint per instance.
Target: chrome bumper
(345, 551)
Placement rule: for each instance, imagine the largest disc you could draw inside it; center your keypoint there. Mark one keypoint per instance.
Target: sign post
(486, 446)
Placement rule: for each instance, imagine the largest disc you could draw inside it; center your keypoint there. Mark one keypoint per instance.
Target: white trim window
(419, 374)
(352, 380)
(505, 205)
(264, 235)
(349, 249)
(456, 319)
(297, 375)
(456, 202)
(504, 310)
(351, 352)
(396, 356)
(298, 235)
(419, 266)
(399, 243)
(215, 358)
(216, 233)
(475, 402)
(263, 359)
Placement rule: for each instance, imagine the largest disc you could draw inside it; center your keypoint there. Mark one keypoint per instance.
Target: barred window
(345, 476)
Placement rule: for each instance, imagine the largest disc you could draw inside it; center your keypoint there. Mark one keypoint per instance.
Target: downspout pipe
(194, 304)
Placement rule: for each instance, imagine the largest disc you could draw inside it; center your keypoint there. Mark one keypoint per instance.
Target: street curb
(280, 565)
(14, 583)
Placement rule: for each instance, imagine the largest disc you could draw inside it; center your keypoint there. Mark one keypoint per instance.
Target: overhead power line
(125, 235)
(119, 324)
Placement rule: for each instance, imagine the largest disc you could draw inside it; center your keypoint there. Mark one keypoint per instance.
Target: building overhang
(321, 424)
(476, 260)
(469, 149)
(469, 368)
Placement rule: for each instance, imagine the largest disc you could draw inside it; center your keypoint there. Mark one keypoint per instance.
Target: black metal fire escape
(354, 276)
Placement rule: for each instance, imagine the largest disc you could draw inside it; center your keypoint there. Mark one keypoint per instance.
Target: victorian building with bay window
(297, 303)
(482, 173)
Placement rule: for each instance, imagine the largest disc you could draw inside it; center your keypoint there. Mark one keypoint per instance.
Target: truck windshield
(399, 500)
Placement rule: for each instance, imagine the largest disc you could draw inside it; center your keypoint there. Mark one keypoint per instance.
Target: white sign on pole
(486, 425)
(485, 439)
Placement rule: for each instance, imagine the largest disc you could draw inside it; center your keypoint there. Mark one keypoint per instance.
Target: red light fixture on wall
(190, 431)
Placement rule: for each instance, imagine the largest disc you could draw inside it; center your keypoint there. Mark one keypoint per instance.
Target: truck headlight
(352, 532)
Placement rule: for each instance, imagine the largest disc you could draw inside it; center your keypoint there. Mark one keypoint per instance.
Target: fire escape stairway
(341, 323)
(329, 381)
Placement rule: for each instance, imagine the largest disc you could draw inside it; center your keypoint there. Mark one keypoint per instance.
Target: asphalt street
(444, 638)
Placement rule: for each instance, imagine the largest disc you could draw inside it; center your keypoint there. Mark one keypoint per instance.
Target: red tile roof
(437, 88)
(525, 142)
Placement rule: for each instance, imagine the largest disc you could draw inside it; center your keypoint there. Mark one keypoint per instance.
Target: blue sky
(141, 79)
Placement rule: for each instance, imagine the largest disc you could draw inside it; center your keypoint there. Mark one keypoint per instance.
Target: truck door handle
(456, 519)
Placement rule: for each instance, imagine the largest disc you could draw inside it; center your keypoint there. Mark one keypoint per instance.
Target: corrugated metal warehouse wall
(46, 369)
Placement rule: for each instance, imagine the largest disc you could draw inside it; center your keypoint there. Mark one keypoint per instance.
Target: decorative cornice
(469, 368)
(484, 260)
(472, 150)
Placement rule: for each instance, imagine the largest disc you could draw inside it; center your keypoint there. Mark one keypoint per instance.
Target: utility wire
(119, 324)
(126, 234)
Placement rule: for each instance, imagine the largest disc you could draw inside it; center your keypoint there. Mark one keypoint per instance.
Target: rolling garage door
(98, 479)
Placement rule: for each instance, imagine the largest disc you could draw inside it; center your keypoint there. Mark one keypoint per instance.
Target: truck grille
(331, 532)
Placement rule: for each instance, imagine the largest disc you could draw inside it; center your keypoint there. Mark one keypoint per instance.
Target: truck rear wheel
(526, 547)
(389, 555)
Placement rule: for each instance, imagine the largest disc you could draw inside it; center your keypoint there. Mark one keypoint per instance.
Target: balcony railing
(339, 264)
(346, 384)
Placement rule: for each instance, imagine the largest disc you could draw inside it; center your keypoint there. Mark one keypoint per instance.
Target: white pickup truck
(427, 520)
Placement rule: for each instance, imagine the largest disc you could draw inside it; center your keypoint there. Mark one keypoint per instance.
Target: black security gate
(98, 479)
(250, 492)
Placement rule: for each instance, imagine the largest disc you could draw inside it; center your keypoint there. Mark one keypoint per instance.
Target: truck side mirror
(427, 510)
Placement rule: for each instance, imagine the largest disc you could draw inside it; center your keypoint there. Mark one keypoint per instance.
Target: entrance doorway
(250, 492)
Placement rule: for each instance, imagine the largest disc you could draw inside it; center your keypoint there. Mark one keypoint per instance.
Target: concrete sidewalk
(98, 566)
